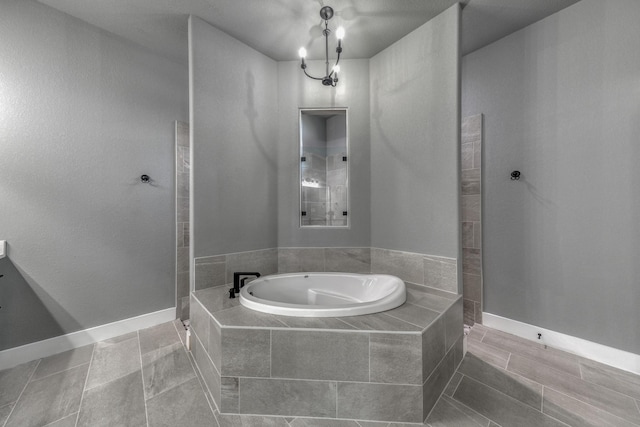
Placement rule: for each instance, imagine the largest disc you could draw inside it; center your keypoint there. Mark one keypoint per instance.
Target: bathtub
(323, 294)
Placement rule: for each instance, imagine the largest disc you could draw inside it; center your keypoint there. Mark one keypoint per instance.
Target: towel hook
(145, 179)
(515, 175)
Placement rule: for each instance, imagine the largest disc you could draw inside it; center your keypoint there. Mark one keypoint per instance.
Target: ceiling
(278, 28)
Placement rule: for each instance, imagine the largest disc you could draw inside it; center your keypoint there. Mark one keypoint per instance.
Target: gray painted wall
(82, 115)
(234, 101)
(415, 127)
(561, 100)
(298, 91)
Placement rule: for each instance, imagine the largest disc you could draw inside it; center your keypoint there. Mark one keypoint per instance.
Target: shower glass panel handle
(324, 167)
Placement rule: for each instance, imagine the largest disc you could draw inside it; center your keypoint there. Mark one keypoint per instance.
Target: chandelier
(331, 76)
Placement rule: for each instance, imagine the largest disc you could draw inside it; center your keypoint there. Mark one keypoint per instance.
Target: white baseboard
(25, 353)
(600, 353)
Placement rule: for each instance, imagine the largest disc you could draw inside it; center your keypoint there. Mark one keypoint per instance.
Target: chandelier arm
(334, 66)
(310, 76)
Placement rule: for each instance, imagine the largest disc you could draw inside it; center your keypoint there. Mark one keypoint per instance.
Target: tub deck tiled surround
(389, 366)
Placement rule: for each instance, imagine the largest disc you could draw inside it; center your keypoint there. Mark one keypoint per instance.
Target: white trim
(600, 353)
(32, 351)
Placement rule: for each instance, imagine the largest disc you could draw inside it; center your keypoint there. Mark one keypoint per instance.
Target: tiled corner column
(471, 164)
(182, 220)
(264, 367)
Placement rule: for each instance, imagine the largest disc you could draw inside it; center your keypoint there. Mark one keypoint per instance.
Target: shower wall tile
(183, 260)
(471, 175)
(471, 261)
(182, 153)
(471, 217)
(472, 287)
(477, 154)
(348, 260)
(182, 134)
(467, 234)
(182, 285)
(470, 187)
(471, 207)
(471, 129)
(182, 209)
(477, 235)
(467, 156)
(478, 311)
(469, 313)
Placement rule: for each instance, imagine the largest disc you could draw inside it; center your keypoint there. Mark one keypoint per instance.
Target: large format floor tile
(49, 399)
(147, 379)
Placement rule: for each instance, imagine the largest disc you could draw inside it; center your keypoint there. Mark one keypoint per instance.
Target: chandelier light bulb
(336, 69)
(340, 33)
(302, 53)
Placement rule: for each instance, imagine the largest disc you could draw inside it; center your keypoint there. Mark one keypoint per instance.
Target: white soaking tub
(323, 294)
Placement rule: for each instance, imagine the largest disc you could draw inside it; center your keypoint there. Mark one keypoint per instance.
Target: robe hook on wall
(145, 179)
(515, 175)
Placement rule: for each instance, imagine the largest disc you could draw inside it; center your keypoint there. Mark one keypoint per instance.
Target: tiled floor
(147, 379)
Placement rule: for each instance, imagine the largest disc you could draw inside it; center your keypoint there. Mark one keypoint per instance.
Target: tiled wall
(433, 271)
(471, 163)
(218, 270)
(182, 220)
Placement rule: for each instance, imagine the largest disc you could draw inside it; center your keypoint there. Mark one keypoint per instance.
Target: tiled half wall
(427, 270)
(471, 164)
(389, 366)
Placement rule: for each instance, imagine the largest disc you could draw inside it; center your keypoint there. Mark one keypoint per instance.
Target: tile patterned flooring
(147, 378)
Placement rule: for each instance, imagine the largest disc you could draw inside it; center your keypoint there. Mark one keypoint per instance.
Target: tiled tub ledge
(390, 366)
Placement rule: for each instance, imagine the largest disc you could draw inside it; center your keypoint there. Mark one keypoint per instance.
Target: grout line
(457, 385)
(369, 358)
(466, 406)
(144, 397)
(178, 332)
(580, 370)
(202, 382)
(35, 368)
(86, 381)
(542, 399)
(59, 419)
(270, 355)
(506, 367)
(637, 405)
